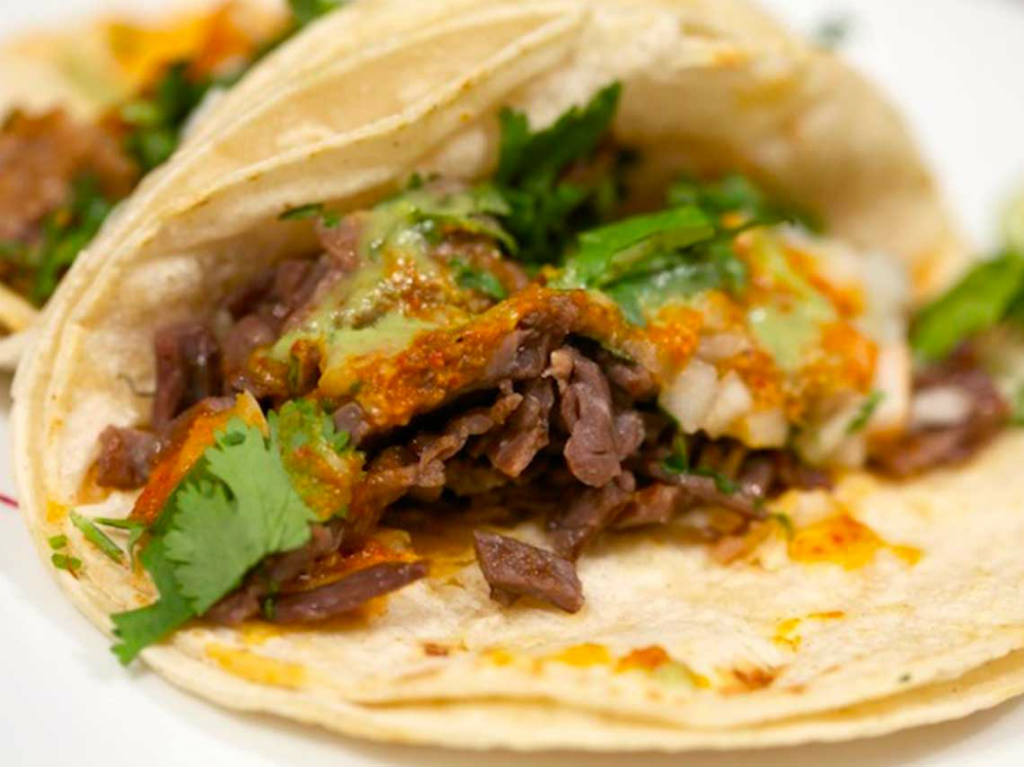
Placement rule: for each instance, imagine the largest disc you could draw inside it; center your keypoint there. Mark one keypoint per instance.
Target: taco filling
(61, 174)
(526, 347)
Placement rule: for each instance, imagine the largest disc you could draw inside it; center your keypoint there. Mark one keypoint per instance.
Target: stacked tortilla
(914, 617)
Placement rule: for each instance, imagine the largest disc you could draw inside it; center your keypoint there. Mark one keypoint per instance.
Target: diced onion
(690, 395)
(732, 401)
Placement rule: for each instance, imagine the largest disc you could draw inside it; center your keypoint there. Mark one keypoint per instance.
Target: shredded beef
(341, 242)
(420, 465)
(653, 505)
(351, 419)
(41, 155)
(346, 594)
(923, 448)
(245, 602)
(634, 380)
(513, 569)
(126, 456)
(512, 448)
(522, 354)
(590, 512)
(592, 451)
(758, 475)
(704, 490)
(187, 369)
(241, 340)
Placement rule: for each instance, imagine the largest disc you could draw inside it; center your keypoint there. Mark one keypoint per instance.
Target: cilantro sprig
(235, 507)
(545, 207)
(643, 261)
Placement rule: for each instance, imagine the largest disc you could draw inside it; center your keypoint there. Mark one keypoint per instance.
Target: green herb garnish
(156, 120)
(644, 261)
(135, 530)
(678, 461)
(58, 541)
(480, 280)
(306, 11)
(722, 483)
(977, 302)
(546, 209)
(235, 507)
(312, 210)
(65, 562)
(736, 194)
(96, 537)
(866, 410)
(1017, 416)
(37, 268)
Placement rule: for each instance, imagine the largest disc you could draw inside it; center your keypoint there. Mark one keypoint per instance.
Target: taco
(87, 111)
(539, 374)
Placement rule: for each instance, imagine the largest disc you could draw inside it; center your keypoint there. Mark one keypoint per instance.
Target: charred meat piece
(653, 505)
(592, 451)
(513, 447)
(244, 603)
(703, 490)
(345, 595)
(590, 512)
(187, 369)
(513, 569)
(126, 456)
(633, 380)
(340, 242)
(926, 446)
(351, 419)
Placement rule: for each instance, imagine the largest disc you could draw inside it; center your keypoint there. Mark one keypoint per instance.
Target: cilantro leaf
(235, 507)
(632, 245)
(678, 461)
(977, 302)
(526, 156)
(137, 629)
(309, 210)
(736, 194)
(480, 280)
(241, 508)
(545, 209)
(644, 261)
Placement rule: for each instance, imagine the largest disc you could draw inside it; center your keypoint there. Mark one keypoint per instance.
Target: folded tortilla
(916, 618)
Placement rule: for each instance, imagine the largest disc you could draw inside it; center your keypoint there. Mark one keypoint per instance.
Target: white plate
(957, 68)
